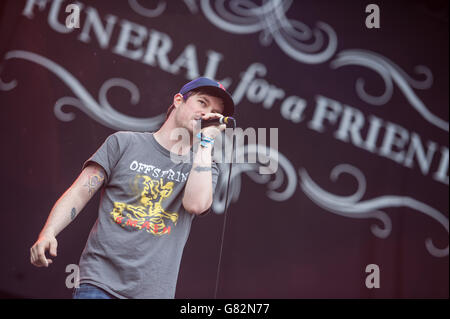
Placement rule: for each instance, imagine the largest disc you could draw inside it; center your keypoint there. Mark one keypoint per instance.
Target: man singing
(150, 195)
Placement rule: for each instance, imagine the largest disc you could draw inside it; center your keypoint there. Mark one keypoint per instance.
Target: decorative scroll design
(101, 111)
(146, 12)
(293, 37)
(160, 8)
(354, 207)
(390, 73)
(283, 175)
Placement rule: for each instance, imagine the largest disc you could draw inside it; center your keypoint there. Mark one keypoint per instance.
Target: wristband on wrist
(205, 140)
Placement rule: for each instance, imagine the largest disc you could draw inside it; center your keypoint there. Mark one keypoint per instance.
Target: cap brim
(228, 109)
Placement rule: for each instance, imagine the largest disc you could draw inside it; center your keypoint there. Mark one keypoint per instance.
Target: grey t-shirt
(135, 247)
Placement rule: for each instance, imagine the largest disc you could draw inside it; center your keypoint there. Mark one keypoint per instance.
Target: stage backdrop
(355, 98)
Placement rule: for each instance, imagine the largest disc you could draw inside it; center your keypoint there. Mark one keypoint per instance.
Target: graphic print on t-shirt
(148, 214)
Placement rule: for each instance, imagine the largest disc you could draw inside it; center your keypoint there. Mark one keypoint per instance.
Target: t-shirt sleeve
(107, 155)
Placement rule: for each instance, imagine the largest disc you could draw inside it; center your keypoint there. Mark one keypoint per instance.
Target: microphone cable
(225, 211)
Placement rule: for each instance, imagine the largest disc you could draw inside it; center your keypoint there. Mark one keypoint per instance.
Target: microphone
(228, 120)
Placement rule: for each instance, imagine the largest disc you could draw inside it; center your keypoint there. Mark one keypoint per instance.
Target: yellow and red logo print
(148, 214)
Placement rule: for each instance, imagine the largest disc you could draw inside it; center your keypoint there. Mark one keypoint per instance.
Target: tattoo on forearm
(94, 181)
(202, 169)
(73, 214)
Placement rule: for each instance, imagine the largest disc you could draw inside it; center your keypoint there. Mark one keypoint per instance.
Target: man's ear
(178, 99)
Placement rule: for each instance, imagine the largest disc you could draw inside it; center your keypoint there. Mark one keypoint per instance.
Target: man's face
(194, 108)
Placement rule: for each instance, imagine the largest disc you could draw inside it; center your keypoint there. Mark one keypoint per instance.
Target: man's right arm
(67, 207)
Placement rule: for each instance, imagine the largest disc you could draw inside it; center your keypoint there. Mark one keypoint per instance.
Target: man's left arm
(198, 194)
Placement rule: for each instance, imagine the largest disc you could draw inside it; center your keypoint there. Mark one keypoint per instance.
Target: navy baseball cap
(218, 88)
